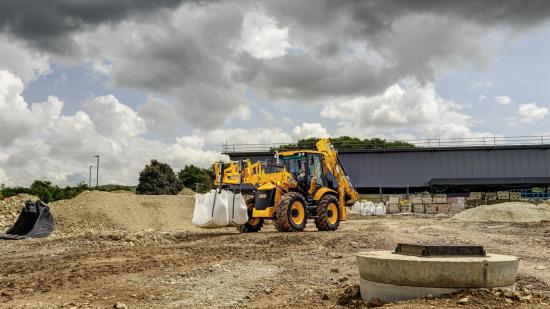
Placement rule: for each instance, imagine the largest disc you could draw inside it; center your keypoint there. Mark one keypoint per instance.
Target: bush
(158, 178)
(45, 191)
(346, 142)
(191, 175)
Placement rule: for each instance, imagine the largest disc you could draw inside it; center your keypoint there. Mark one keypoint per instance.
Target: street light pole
(97, 172)
(90, 179)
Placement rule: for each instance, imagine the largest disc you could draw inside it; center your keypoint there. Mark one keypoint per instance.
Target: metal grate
(439, 250)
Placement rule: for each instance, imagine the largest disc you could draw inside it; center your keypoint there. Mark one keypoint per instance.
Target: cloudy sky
(133, 80)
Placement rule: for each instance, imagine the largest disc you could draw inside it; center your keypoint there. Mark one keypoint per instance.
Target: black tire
(254, 224)
(289, 219)
(325, 220)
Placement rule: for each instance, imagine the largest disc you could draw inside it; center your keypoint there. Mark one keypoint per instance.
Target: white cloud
(41, 143)
(24, 62)
(262, 37)
(532, 112)
(115, 119)
(401, 109)
(503, 99)
(307, 130)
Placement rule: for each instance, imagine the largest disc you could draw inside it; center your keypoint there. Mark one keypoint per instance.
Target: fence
(380, 144)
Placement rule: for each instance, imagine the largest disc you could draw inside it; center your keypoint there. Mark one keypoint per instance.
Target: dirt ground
(180, 266)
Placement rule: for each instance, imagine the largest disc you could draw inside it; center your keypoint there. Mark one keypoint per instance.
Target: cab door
(316, 177)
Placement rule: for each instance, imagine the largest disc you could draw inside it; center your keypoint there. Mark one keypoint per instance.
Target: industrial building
(445, 169)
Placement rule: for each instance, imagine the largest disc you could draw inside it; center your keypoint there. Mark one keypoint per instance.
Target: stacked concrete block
(418, 208)
(431, 208)
(440, 199)
(456, 204)
(406, 206)
(442, 208)
(515, 196)
(427, 199)
(503, 195)
(476, 196)
(417, 199)
(417, 205)
(491, 196)
(392, 206)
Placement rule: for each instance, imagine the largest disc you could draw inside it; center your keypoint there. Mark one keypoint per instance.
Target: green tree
(191, 175)
(346, 142)
(158, 178)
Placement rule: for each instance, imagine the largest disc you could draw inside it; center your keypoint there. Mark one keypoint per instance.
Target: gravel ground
(185, 267)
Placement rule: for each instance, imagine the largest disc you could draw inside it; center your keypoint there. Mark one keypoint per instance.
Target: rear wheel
(328, 214)
(253, 224)
(291, 213)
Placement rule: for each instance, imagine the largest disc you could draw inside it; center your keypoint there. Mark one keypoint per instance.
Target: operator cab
(307, 169)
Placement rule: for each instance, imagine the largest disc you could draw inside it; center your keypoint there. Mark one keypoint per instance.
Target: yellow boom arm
(334, 165)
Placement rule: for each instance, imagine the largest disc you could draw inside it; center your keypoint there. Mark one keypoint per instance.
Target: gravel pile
(10, 208)
(506, 212)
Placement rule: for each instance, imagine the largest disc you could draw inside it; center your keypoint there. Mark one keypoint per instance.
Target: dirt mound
(10, 208)
(506, 212)
(186, 191)
(98, 211)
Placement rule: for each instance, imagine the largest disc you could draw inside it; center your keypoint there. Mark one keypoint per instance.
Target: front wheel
(328, 214)
(253, 224)
(291, 213)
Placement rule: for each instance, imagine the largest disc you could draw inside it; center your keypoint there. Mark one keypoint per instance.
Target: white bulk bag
(380, 209)
(219, 209)
(356, 208)
(368, 208)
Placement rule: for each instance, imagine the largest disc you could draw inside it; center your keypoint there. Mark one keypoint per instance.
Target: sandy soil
(174, 265)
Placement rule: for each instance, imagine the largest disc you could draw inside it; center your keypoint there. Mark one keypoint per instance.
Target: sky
(135, 80)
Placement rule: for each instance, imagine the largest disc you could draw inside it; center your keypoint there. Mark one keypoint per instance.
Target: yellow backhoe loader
(300, 185)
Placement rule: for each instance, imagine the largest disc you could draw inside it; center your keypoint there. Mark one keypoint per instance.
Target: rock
(429, 296)
(334, 270)
(526, 298)
(508, 293)
(349, 294)
(119, 305)
(464, 301)
(325, 297)
(375, 302)
(540, 267)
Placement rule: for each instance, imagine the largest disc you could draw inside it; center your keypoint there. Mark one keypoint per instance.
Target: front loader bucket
(34, 221)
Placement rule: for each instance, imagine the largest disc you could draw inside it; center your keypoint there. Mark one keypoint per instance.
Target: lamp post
(90, 179)
(97, 172)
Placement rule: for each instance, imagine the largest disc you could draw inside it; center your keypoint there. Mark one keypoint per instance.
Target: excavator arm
(347, 192)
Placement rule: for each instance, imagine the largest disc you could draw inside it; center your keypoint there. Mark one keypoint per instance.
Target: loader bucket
(34, 221)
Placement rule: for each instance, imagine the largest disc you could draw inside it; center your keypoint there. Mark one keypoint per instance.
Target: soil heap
(97, 211)
(10, 207)
(506, 212)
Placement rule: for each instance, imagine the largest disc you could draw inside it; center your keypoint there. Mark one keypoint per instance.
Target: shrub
(46, 191)
(191, 175)
(158, 178)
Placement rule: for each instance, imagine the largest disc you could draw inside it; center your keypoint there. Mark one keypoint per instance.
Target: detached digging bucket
(34, 221)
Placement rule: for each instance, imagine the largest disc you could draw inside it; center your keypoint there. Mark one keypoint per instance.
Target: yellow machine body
(301, 184)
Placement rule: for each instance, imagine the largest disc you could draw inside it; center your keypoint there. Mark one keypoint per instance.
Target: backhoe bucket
(34, 221)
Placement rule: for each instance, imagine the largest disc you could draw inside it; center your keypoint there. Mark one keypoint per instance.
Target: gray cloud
(48, 25)
(191, 52)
